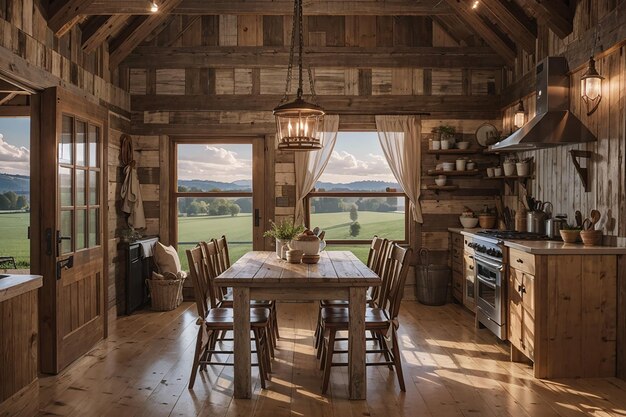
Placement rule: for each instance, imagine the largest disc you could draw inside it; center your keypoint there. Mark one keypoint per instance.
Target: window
(15, 190)
(214, 196)
(358, 197)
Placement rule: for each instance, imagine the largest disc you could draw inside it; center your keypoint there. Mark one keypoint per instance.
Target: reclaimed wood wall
(556, 179)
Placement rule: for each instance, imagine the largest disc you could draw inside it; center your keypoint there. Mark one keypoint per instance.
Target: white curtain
(400, 138)
(310, 165)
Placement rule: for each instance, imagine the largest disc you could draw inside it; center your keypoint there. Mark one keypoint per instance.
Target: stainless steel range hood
(554, 124)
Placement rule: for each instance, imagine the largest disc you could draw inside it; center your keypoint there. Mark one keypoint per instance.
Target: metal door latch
(64, 264)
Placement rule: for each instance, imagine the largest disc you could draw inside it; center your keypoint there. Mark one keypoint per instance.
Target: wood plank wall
(556, 179)
(177, 97)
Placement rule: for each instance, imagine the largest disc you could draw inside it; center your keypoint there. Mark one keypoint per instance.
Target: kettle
(554, 226)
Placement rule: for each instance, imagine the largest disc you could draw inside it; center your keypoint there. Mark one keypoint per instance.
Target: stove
(511, 235)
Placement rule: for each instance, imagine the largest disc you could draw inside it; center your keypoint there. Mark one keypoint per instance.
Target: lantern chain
(291, 52)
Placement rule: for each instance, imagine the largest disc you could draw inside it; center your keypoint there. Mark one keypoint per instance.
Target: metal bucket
(432, 281)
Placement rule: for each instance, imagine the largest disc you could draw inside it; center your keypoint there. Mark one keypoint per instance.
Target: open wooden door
(72, 253)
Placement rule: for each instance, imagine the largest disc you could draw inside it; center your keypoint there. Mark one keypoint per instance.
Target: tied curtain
(310, 165)
(399, 137)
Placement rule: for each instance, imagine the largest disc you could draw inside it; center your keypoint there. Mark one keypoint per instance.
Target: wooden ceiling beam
(6, 97)
(280, 7)
(331, 104)
(478, 25)
(278, 57)
(64, 15)
(143, 29)
(457, 29)
(99, 28)
(554, 13)
(514, 22)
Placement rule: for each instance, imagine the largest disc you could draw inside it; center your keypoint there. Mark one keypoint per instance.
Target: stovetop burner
(512, 235)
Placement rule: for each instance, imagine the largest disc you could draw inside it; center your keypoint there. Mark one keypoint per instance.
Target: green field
(13, 237)
(238, 230)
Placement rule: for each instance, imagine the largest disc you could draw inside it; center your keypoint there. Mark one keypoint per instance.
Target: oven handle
(479, 258)
(492, 284)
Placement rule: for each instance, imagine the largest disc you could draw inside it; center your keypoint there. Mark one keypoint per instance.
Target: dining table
(261, 275)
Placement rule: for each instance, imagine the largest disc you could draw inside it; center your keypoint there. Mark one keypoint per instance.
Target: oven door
(489, 288)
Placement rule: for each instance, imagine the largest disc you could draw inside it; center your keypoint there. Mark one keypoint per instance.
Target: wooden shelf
(452, 173)
(442, 187)
(508, 177)
(438, 152)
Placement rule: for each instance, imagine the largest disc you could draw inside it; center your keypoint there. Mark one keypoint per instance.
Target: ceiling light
(297, 121)
(154, 7)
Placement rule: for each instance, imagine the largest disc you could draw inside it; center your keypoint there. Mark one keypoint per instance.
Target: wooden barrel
(432, 283)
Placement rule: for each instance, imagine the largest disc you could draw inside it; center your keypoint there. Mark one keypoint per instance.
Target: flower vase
(282, 246)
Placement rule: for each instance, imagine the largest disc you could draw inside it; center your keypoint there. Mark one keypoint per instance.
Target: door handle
(64, 264)
(257, 217)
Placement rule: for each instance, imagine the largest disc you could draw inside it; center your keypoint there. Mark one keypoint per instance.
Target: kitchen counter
(550, 247)
(13, 285)
(19, 389)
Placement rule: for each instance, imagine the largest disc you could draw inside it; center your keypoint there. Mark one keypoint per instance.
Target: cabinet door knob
(519, 261)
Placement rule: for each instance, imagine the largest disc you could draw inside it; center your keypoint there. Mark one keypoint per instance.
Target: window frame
(348, 242)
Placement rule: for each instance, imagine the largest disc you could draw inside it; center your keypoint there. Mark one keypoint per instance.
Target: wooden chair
(213, 263)
(214, 320)
(381, 320)
(375, 261)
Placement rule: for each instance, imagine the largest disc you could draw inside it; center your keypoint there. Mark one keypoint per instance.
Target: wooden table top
(335, 268)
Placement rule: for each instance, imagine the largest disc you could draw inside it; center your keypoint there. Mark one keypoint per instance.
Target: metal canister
(536, 222)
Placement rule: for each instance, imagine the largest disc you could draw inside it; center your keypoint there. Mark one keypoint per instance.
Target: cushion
(166, 259)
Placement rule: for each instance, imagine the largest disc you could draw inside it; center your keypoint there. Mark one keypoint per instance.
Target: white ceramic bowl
(449, 166)
(440, 181)
(468, 222)
(463, 145)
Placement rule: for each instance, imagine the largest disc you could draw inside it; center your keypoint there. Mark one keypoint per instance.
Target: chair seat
(334, 303)
(339, 317)
(228, 303)
(224, 316)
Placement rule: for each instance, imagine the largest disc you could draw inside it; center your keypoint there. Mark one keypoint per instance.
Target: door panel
(73, 312)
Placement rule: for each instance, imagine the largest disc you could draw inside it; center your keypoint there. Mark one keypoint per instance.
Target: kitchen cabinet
(563, 313)
(522, 312)
(469, 282)
(456, 265)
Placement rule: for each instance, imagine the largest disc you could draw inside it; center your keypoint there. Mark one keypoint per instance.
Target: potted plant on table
(283, 233)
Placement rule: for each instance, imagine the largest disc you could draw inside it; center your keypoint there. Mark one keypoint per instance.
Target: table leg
(356, 344)
(243, 377)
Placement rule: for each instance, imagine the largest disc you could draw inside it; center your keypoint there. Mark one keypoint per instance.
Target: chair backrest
(397, 270)
(374, 257)
(210, 260)
(201, 284)
(223, 256)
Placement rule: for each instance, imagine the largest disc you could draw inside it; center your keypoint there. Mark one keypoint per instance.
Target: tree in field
(194, 208)
(5, 204)
(234, 210)
(354, 213)
(355, 229)
(21, 203)
(12, 197)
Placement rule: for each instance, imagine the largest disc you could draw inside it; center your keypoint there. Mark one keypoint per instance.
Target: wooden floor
(451, 369)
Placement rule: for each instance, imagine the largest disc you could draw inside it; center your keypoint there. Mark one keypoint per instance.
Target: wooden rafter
(278, 57)
(99, 28)
(64, 15)
(182, 31)
(456, 28)
(478, 25)
(6, 97)
(280, 7)
(514, 22)
(554, 13)
(143, 29)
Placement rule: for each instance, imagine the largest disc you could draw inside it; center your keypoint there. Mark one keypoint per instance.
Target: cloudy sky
(356, 157)
(15, 145)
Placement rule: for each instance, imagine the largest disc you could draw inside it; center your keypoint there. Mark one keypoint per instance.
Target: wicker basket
(166, 294)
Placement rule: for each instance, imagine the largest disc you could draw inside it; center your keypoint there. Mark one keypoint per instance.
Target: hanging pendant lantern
(298, 121)
(591, 87)
(520, 115)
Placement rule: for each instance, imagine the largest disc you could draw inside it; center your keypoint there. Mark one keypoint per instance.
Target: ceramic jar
(460, 164)
(307, 243)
